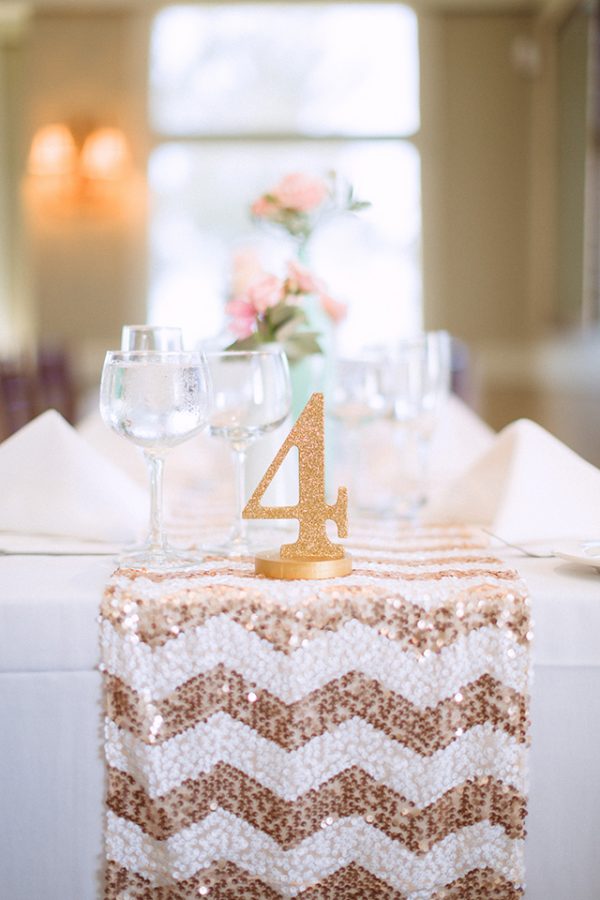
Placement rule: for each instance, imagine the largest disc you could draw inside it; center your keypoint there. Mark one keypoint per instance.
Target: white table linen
(52, 768)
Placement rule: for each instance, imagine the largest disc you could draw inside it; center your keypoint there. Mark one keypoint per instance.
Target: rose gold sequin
(465, 589)
(351, 793)
(351, 882)
(326, 610)
(292, 725)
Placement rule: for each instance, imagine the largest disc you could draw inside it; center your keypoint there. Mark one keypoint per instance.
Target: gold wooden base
(272, 565)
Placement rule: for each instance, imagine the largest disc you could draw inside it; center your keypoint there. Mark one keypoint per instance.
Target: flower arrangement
(299, 201)
(264, 308)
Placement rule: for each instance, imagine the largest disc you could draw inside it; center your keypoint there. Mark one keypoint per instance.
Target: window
(241, 94)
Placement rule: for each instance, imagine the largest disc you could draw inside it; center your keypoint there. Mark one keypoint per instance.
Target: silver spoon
(525, 552)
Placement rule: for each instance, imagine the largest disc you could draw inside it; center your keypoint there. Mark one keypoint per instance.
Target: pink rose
(300, 192)
(264, 207)
(299, 280)
(243, 317)
(334, 308)
(264, 292)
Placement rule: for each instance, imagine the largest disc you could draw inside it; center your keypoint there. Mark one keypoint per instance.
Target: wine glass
(419, 382)
(155, 400)
(251, 397)
(358, 396)
(161, 338)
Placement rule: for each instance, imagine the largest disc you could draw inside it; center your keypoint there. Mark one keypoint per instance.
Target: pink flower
(300, 192)
(264, 207)
(299, 280)
(334, 308)
(243, 317)
(264, 292)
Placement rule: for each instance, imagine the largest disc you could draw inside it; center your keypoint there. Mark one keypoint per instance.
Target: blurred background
(134, 136)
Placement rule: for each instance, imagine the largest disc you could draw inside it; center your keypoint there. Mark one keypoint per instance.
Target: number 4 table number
(313, 555)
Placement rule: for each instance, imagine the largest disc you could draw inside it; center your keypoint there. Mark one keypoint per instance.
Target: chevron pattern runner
(364, 737)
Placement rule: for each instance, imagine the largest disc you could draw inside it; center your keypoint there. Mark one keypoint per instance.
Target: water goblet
(419, 382)
(161, 338)
(251, 397)
(155, 400)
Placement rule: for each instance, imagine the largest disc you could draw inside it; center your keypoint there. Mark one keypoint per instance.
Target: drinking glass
(419, 382)
(358, 397)
(251, 397)
(163, 338)
(155, 400)
(159, 338)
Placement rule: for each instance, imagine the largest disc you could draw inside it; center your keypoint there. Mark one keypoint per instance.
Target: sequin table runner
(364, 737)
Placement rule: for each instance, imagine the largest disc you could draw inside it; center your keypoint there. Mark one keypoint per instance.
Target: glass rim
(265, 351)
(147, 327)
(377, 352)
(423, 336)
(141, 355)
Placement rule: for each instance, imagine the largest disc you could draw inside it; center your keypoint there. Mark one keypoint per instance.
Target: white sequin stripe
(424, 592)
(421, 554)
(224, 836)
(422, 679)
(407, 568)
(290, 774)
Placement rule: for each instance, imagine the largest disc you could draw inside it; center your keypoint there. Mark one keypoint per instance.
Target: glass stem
(239, 531)
(157, 536)
(353, 454)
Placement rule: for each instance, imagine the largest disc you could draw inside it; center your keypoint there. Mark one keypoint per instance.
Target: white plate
(586, 553)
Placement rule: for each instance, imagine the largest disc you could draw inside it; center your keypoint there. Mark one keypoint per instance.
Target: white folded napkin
(459, 439)
(53, 483)
(527, 486)
(121, 453)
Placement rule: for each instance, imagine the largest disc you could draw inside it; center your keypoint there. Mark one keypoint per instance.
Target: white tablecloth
(51, 768)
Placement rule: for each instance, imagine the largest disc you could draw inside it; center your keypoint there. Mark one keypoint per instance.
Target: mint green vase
(312, 373)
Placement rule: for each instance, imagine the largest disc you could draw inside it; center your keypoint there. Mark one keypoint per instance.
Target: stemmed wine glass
(358, 396)
(251, 397)
(419, 382)
(155, 400)
(163, 338)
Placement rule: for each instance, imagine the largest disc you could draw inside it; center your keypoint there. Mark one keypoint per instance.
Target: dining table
(52, 767)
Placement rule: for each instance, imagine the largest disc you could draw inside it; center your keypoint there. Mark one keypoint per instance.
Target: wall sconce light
(105, 155)
(67, 176)
(53, 152)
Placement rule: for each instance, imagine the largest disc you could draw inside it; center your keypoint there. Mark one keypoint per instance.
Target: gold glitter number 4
(312, 509)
